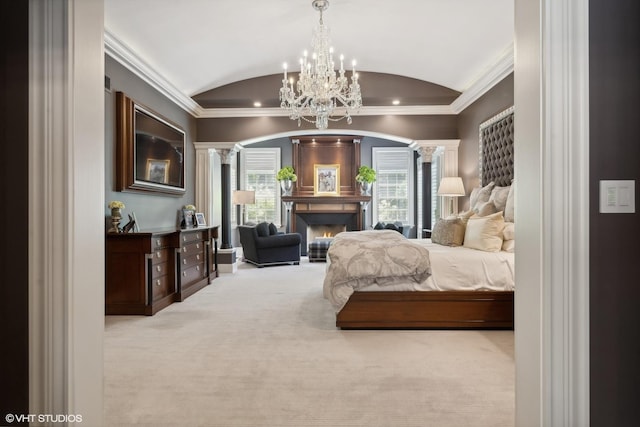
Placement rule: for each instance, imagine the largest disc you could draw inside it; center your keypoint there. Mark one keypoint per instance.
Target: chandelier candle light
(320, 93)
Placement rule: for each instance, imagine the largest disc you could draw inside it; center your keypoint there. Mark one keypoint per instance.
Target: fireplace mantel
(345, 210)
(326, 199)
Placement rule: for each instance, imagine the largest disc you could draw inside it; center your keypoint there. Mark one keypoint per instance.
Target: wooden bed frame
(446, 309)
(428, 310)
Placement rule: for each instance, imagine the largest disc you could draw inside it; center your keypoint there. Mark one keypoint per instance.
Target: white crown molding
(132, 61)
(409, 110)
(502, 68)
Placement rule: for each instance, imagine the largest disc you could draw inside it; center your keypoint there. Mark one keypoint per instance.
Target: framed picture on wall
(326, 180)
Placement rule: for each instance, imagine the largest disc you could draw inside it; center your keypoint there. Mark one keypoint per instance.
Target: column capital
(426, 153)
(226, 155)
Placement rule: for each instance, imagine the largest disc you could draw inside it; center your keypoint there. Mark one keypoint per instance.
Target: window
(393, 189)
(258, 167)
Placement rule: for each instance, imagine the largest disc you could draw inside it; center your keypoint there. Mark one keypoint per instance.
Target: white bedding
(453, 269)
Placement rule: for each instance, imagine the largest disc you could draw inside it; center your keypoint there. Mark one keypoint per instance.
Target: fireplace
(343, 213)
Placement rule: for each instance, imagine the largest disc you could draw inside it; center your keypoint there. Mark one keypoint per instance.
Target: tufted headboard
(496, 149)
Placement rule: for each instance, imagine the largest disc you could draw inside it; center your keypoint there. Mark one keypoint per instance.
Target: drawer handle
(197, 268)
(158, 254)
(158, 282)
(184, 238)
(159, 268)
(184, 249)
(184, 273)
(198, 256)
(157, 242)
(197, 245)
(197, 235)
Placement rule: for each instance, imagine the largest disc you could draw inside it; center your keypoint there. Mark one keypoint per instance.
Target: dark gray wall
(152, 210)
(14, 167)
(412, 127)
(499, 98)
(614, 153)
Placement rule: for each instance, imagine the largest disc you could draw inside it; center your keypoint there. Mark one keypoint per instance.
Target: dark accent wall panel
(14, 170)
(614, 153)
(497, 99)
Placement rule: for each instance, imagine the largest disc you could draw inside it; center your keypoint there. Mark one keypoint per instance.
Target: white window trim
(273, 150)
(376, 152)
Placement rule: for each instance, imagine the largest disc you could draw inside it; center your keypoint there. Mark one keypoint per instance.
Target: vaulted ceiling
(211, 50)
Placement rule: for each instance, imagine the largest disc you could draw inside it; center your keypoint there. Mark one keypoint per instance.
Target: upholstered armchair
(263, 245)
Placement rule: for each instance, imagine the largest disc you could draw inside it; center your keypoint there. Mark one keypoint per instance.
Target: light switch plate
(617, 196)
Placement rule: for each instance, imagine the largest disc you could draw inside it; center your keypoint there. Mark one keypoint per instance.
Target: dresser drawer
(192, 248)
(193, 274)
(192, 237)
(189, 260)
(160, 269)
(160, 287)
(159, 242)
(160, 255)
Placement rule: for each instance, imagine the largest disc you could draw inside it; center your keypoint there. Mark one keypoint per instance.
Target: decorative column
(226, 155)
(426, 154)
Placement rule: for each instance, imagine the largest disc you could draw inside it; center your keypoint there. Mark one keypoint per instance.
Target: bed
(434, 296)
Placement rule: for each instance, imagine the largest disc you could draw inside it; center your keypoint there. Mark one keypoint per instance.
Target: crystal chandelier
(320, 94)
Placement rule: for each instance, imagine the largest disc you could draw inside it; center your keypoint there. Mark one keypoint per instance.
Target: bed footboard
(428, 310)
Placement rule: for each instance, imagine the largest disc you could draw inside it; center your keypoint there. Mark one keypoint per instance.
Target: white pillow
(509, 232)
(485, 233)
(499, 197)
(509, 212)
(509, 245)
(480, 195)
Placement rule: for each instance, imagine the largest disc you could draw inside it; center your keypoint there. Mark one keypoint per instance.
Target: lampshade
(451, 186)
(244, 197)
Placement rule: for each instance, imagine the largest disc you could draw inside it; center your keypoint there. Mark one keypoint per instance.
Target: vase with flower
(116, 215)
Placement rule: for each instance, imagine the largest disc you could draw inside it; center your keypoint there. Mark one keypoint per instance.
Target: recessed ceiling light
(257, 104)
(396, 102)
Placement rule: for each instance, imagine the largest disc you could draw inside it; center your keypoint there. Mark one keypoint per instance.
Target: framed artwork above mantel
(150, 150)
(340, 152)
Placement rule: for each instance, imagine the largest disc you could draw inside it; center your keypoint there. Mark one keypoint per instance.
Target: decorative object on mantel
(451, 186)
(365, 178)
(326, 180)
(287, 176)
(116, 215)
(244, 197)
(188, 217)
(319, 91)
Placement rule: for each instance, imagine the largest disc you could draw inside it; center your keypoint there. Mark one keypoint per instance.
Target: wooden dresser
(147, 271)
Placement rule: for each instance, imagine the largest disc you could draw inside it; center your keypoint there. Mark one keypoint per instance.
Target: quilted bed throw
(383, 257)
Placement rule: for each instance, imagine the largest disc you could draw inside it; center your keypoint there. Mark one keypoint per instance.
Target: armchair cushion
(263, 229)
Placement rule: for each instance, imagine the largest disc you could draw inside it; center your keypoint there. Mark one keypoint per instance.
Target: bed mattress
(452, 269)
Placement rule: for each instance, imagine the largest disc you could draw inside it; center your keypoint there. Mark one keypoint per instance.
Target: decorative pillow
(509, 245)
(378, 226)
(509, 211)
(485, 233)
(499, 197)
(262, 229)
(464, 216)
(448, 232)
(480, 195)
(486, 208)
(273, 230)
(509, 232)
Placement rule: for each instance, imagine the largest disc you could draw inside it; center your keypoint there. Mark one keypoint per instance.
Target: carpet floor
(260, 348)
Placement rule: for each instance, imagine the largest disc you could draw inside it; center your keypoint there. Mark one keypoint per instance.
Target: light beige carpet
(259, 348)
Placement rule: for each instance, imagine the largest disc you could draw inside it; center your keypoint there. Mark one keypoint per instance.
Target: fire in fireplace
(316, 231)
